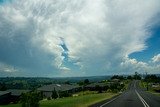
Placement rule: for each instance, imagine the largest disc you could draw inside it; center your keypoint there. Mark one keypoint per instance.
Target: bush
(30, 99)
(115, 90)
(64, 94)
(98, 88)
(54, 94)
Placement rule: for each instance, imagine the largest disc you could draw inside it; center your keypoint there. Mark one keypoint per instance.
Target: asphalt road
(133, 97)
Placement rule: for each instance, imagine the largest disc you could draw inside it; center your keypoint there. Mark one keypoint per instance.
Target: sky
(65, 38)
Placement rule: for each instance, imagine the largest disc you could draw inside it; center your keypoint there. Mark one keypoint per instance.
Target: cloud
(7, 68)
(98, 35)
(132, 65)
(156, 58)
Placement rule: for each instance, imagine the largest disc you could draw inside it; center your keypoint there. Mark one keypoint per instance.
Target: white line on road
(108, 102)
(142, 100)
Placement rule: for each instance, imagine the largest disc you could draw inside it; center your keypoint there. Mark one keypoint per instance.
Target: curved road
(133, 97)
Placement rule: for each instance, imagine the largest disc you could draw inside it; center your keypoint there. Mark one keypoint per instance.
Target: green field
(79, 101)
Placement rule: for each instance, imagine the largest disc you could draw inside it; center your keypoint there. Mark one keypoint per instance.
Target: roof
(4, 92)
(17, 92)
(57, 87)
(96, 84)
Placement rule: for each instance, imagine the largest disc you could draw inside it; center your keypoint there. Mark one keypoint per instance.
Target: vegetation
(64, 94)
(62, 99)
(79, 101)
(152, 84)
(118, 77)
(30, 99)
(54, 94)
(152, 78)
(3, 87)
(83, 83)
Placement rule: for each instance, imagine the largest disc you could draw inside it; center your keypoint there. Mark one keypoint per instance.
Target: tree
(117, 77)
(30, 99)
(137, 76)
(129, 77)
(98, 88)
(80, 83)
(64, 94)
(67, 82)
(54, 94)
(86, 81)
(3, 87)
(152, 78)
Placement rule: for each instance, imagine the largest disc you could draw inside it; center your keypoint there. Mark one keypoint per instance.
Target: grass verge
(151, 90)
(155, 93)
(79, 101)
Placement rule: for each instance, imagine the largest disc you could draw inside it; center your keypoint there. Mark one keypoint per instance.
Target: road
(133, 97)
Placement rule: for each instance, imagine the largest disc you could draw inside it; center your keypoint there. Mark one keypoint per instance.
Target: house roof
(4, 92)
(96, 84)
(17, 92)
(57, 87)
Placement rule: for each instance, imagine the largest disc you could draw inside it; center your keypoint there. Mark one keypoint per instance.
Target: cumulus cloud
(156, 58)
(7, 68)
(99, 35)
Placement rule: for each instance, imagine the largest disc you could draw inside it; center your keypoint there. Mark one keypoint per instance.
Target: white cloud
(156, 58)
(7, 68)
(98, 34)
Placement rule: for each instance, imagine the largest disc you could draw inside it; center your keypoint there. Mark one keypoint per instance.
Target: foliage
(152, 78)
(98, 88)
(86, 81)
(67, 82)
(129, 77)
(80, 83)
(3, 87)
(83, 83)
(79, 101)
(137, 76)
(30, 99)
(54, 94)
(118, 77)
(64, 94)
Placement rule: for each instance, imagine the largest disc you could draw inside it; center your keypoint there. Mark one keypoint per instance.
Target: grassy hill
(78, 101)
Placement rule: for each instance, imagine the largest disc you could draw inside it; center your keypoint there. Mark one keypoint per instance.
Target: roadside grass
(11, 105)
(78, 101)
(151, 90)
(143, 84)
(85, 93)
(126, 84)
(155, 93)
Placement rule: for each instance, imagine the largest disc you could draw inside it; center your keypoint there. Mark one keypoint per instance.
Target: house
(96, 86)
(15, 94)
(4, 97)
(115, 80)
(47, 90)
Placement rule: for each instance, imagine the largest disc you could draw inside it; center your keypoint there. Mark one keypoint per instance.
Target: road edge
(99, 104)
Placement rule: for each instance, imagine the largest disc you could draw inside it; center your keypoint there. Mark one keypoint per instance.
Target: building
(11, 96)
(4, 97)
(96, 86)
(16, 94)
(47, 90)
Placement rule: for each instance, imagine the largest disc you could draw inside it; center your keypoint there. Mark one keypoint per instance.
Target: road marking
(142, 100)
(108, 102)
